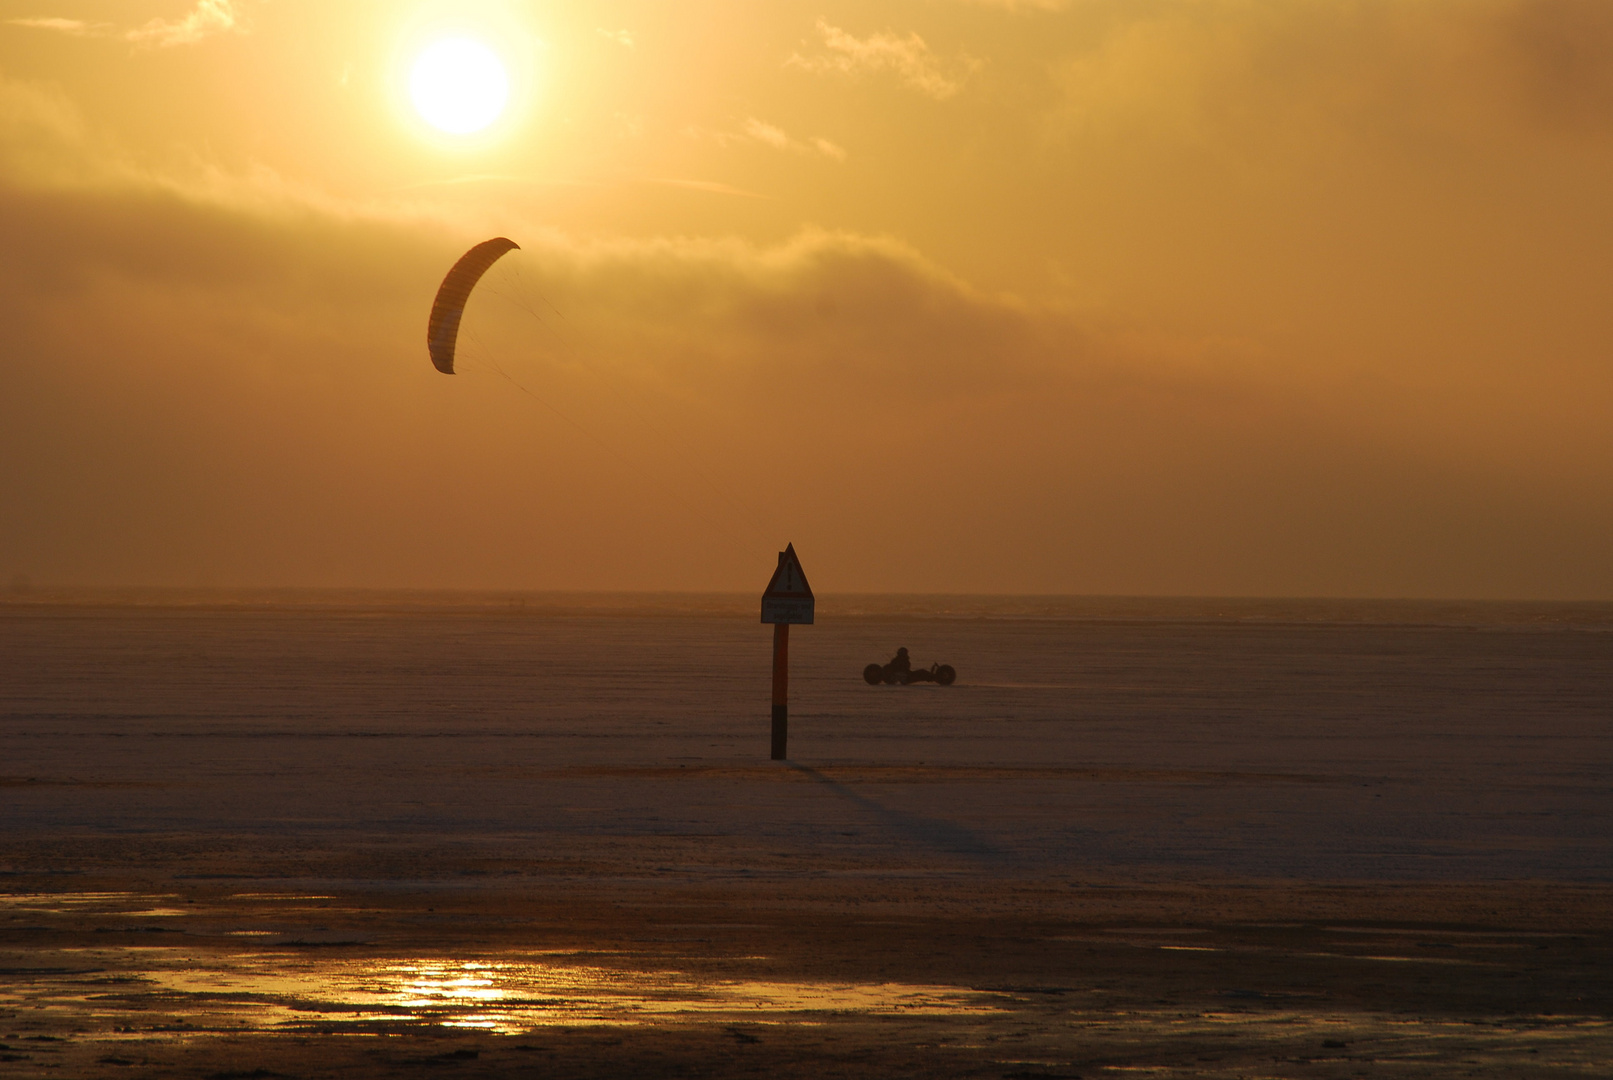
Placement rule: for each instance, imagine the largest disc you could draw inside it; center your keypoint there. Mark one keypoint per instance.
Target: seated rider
(900, 664)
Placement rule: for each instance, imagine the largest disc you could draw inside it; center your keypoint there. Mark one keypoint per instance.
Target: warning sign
(788, 598)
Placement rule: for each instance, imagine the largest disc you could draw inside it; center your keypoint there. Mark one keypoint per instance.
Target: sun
(458, 85)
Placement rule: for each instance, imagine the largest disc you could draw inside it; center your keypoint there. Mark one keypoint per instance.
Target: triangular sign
(789, 580)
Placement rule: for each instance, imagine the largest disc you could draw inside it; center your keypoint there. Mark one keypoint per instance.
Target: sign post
(788, 600)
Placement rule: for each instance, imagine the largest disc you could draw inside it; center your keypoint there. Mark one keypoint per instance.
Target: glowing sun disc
(458, 85)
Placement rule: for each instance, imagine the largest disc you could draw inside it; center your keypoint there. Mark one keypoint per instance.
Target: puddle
(119, 904)
(1385, 931)
(504, 996)
(67, 901)
(1155, 930)
(1391, 959)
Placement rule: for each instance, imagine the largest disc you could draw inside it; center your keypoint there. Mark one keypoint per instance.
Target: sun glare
(458, 85)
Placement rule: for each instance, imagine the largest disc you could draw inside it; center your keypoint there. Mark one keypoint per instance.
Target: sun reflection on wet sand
(126, 1002)
(66, 901)
(504, 996)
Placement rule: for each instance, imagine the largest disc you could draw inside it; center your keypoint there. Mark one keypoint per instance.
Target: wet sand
(362, 839)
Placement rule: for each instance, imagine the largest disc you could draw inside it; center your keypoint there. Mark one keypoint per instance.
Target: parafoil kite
(442, 333)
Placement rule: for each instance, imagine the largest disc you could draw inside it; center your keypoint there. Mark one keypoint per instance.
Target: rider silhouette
(900, 664)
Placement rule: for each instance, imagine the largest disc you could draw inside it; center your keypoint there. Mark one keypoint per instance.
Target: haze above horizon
(1185, 297)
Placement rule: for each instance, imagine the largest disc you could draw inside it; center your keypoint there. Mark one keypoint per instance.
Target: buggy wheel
(874, 674)
(944, 674)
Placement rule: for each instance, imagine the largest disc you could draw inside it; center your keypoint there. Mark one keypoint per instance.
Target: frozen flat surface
(1090, 742)
(400, 836)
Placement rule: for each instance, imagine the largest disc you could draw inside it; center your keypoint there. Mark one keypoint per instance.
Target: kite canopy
(442, 333)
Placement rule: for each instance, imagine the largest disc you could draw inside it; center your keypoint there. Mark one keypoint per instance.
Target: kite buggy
(900, 671)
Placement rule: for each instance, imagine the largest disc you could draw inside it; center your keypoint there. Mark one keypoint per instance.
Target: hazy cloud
(909, 58)
(199, 393)
(754, 131)
(1223, 71)
(621, 37)
(208, 18)
(713, 186)
(43, 138)
(771, 135)
(75, 27)
(1022, 5)
(233, 387)
(219, 376)
(1560, 53)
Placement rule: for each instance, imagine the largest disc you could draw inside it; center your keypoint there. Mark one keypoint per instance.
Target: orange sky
(1274, 297)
